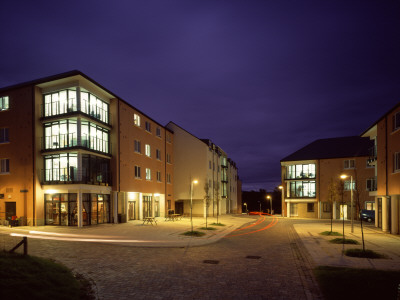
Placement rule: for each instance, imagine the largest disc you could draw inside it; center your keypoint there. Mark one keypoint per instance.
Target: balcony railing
(300, 176)
(70, 140)
(58, 109)
(70, 176)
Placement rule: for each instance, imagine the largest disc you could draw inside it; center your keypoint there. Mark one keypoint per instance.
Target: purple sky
(259, 78)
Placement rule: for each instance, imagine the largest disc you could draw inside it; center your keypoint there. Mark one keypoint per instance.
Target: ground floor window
(327, 207)
(293, 210)
(310, 207)
(62, 209)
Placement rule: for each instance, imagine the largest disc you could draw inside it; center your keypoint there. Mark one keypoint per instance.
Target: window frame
(4, 166)
(137, 146)
(4, 103)
(136, 120)
(396, 162)
(310, 207)
(148, 174)
(138, 174)
(396, 121)
(349, 163)
(4, 135)
(147, 150)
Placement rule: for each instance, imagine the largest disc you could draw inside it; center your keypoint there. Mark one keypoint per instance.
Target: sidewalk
(134, 233)
(328, 254)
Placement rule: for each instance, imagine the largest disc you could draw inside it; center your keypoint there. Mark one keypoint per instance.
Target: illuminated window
(137, 172)
(136, 119)
(94, 106)
(60, 102)
(138, 147)
(301, 171)
(148, 174)
(148, 126)
(347, 185)
(301, 189)
(4, 103)
(147, 150)
(4, 135)
(4, 165)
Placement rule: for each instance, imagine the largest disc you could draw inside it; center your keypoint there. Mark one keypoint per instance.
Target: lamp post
(270, 202)
(283, 211)
(191, 201)
(351, 199)
(245, 205)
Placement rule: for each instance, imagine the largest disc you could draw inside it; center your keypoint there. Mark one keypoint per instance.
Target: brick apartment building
(73, 153)
(308, 173)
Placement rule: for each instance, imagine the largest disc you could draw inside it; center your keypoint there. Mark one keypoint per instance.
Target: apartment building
(201, 168)
(73, 153)
(312, 174)
(385, 160)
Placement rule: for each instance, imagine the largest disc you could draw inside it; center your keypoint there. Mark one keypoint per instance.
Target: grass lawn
(29, 277)
(331, 233)
(343, 241)
(345, 283)
(193, 233)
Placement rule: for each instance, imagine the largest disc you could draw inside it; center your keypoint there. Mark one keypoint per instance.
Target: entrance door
(132, 210)
(343, 212)
(147, 211)
(11, 210)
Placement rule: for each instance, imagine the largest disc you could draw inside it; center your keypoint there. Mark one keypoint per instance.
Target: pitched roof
(349, 146)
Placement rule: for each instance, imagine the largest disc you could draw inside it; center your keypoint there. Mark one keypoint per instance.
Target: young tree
(356, 195)
(216, 187)
(340, 189)
(207, 199)
(332, 197)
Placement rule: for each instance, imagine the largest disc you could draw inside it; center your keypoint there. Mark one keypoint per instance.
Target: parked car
(367, 215)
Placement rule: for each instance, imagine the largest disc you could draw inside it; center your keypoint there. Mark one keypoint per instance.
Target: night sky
(259, 78)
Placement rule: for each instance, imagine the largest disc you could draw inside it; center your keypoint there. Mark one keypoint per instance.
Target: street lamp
(245, 205)
(351, 197)
(270, 202)
(191, 201)
(283, 210)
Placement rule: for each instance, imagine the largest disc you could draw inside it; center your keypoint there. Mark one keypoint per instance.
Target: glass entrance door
(132, 210)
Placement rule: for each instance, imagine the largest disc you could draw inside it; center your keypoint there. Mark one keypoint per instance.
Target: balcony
(301, 176)
(57, 110)
(64, 142)
(72, 176)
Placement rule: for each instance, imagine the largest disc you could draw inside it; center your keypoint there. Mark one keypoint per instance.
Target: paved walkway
(169, 234)
(328, 254)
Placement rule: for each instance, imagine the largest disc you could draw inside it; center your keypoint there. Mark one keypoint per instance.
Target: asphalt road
(262, 260)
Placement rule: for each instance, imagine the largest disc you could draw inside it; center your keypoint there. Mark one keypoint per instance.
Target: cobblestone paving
(123, 272)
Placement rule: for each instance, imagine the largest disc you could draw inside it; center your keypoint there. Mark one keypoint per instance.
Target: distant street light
(283, 210)
(351, 203)
(191, 201)
(270, 203)
(245, 205)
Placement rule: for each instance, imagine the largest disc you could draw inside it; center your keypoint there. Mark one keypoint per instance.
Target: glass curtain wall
(301, 171)
(301, 189)
(60, 209)
(60, 102)
(61, 167)
(60, 134)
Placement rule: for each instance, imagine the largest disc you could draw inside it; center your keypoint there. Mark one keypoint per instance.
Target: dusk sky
(261, 79)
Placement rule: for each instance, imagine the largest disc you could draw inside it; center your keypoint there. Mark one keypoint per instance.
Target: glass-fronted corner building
(312, 187)
(62, 142)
